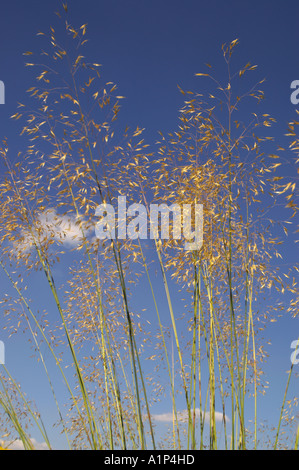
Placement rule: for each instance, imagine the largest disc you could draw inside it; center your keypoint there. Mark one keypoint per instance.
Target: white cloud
(18, 445)
(183, 416)
(61, 228)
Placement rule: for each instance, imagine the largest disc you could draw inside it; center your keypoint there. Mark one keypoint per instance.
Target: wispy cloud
(18, 445)
(183, 416)
(64, 229)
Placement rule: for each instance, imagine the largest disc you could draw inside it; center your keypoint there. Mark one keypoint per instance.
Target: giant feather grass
(79, 162)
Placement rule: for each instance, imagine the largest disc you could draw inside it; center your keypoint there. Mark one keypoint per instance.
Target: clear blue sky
(148, 47)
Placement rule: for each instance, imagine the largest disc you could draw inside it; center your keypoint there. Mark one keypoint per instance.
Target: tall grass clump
(136, 323)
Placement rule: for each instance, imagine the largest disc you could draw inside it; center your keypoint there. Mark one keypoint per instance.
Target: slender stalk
(164, 344)
(158, 249)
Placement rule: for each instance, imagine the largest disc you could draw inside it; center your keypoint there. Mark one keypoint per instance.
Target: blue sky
(148, 47)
